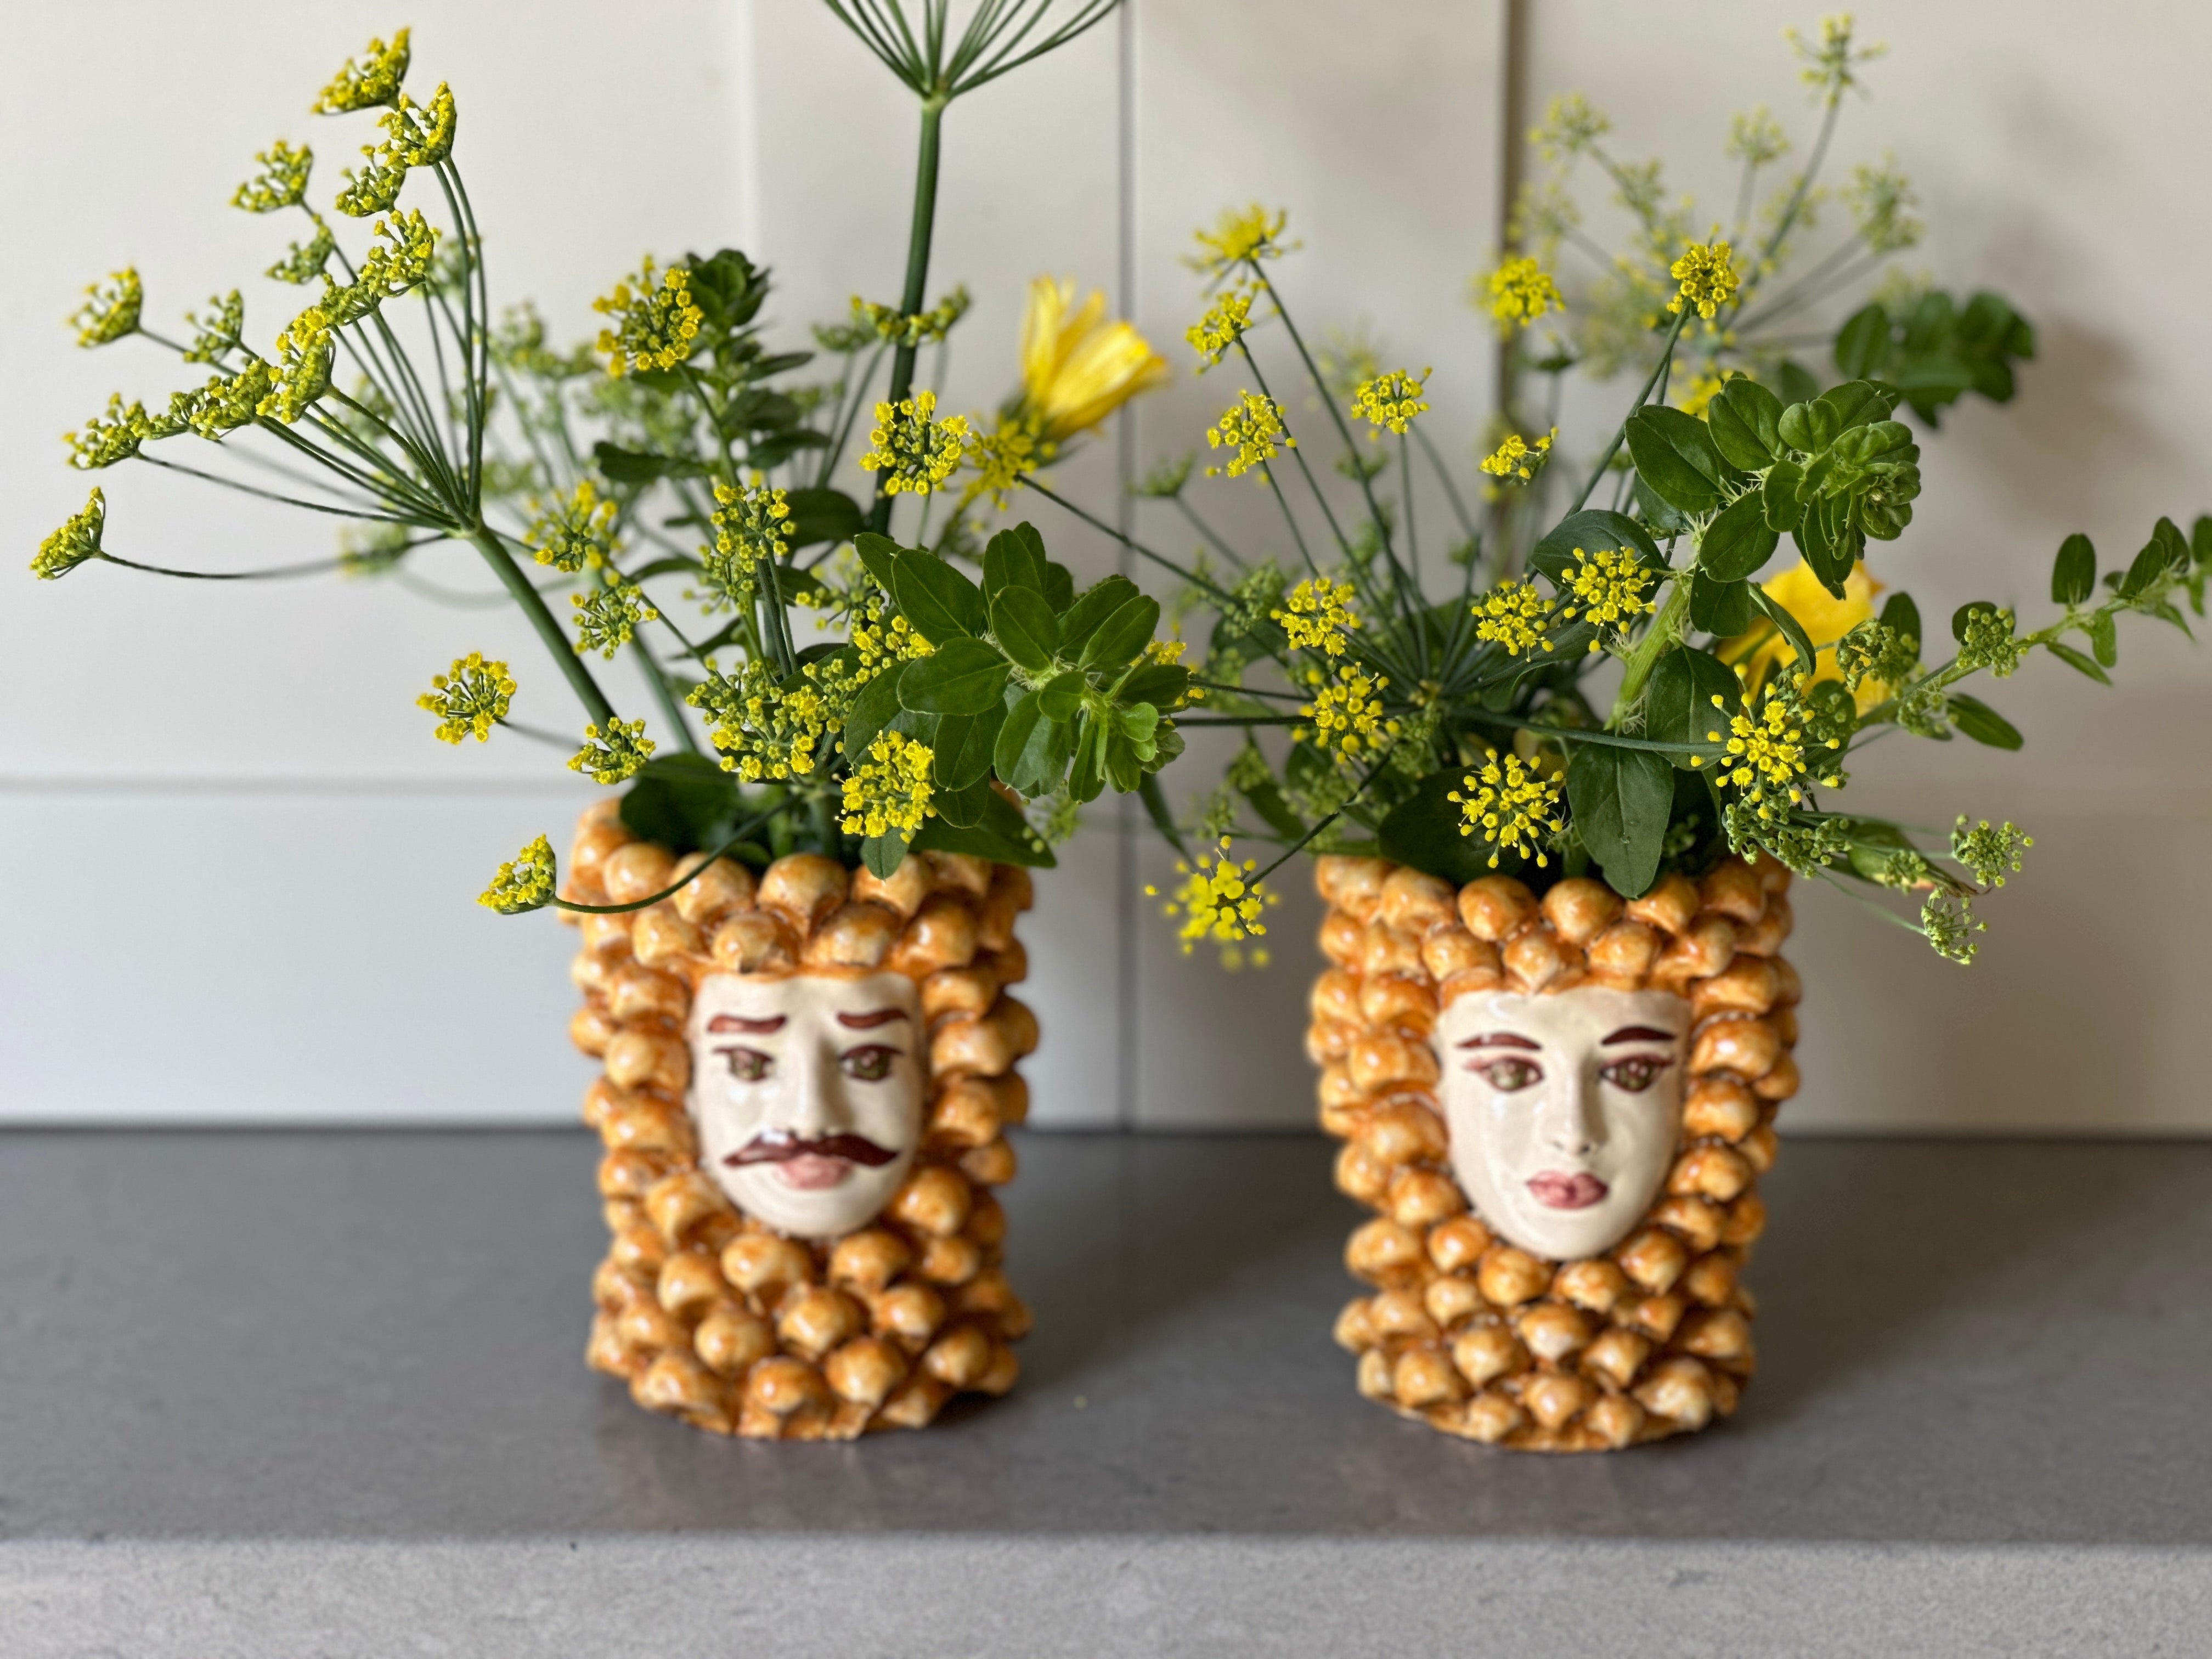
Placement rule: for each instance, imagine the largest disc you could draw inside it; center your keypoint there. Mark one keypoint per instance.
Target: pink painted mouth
(1558, 1191)
(810, 1172)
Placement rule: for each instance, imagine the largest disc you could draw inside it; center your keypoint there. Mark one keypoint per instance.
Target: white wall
(220, 816)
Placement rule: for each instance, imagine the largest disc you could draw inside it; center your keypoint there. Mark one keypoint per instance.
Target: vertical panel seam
(1126, 915)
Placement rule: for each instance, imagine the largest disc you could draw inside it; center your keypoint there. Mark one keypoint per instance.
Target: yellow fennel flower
(1253, 427)
(1218, 900)
(574, 534)
(1521, 291)
(110, 310)
(1513, 615)
(1769, 751)
(1076, 367)
(917, 451)
(471, 697)
(1002, 458)
(364, 83)
(1239, 234)
(655, 323)
(1318, 615)
(1389, 402)
(615, 757)
(1606, 589)
(1225, 324)
(1706, 278)
(1347, 715)
(524, 882)
(1516, 458)
(889, 788)
(1510, 802)
(77, 540)
(280, 183)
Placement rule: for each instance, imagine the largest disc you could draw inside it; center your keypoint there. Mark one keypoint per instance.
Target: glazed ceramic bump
(1649, 1335)
(715, 1315)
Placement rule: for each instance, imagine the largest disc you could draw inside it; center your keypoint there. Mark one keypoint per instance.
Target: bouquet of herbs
(841, 693)
(1611, 688)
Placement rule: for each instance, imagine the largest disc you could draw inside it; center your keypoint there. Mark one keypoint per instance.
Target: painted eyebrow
(869, 1021)
(1639, 1034)
(738, 1022)
(1499, 1039)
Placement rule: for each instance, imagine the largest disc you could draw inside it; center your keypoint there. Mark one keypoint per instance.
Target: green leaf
(883, 854)
(1863, 343)
(880, 555)
(1087, 779)
(966, 744)
(2073, 573)
(635, 466)
(1779, 496)
(963, 808)
(1423, 831)
(1062, 696)
(1792, 629)
(2105, 638)
(1745, 419)
(1032, 750)
(1830, 541)
(1002, 835)
(1900, 613)
(1008, 562)
(1718, 608)
(1122, 637)
(960, 676)
(944, 605)
(1160, 683)
(875, 707)
(1665, 519)
(1738, 541)
(1080, 620)
(683, 802)
(1982, 723)
(1677, 706)
(1590, 530)
(1960, 616)
(820, 515)
(1808, 426)
(1621, 799)
(1855, 404)
(1156, 808)
(1267, 799)
(1026, 627)
(2167, 535)
(2199, 538)
(2075, 660)
(1125, 767)
(1796, 386)
(1675, 454)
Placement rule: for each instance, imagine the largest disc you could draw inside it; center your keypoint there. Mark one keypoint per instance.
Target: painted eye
(1507, 1076)
(872, 1064)
(750, 1065)
(1636, 1074)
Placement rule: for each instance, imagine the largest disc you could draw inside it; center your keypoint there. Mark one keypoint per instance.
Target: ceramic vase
(1559, 1110)
(806, 1076)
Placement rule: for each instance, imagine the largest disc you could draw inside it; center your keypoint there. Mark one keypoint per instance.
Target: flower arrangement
(1620, 694)
(839, 693)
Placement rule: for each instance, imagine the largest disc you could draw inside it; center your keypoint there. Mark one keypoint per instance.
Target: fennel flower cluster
(1606, 588)
(280, 183)
(614, 756)
(1226, 319)
(1318, 615)
(878, 641)
(888, 789)
(1513, 615)
(111, 308)
(1252, 427)
(1521, 291)
(573, 535)
(766, 730)
(1991, 854)
(1002, 458)
(654, 323)
(469, 698)
(915, 451)
(1346, 713)
(1518, 458)
(606, 619)
(368, 81)
(1706, 278)
(750, 526)
(1389, 402)
(895, 327)
(1239, 234)
(1218, 900)
(1511, 802)
(524, 882)
(1768, 752)
(75, 542)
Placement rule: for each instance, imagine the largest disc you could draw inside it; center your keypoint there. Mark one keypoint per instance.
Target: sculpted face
(1563, 1110)
(807, 1091)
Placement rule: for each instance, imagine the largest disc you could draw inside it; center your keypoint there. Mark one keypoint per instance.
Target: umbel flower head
(1077, 367)
(1989, 853)
(111, 436)
(111, 308)
(419, 138)
(607, 618)
(1521, 291)
(1513, 615)
(1516, 458)
(1249, 233)
(77, 540)
(1606, 589)
(1510, 802)
(750, 526)
(895, 327)
(305, 352)
(1219, 900)
(1318, 615)
(915, 450)
(614, 756)
(1705, 276)
(888, 789)
(575, 534)
(1346, 714)
(372, 187)
(368, 81)
(1767, 753)
(767, 731)
(654, 323)
(1001, 458)
(469, 698)
(281, 181)
(1389, 402)
(524, 882)
(1253, 428)
(1213, 336)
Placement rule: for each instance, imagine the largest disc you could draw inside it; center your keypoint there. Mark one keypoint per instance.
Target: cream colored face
(1563, 1110)
(807, 1091)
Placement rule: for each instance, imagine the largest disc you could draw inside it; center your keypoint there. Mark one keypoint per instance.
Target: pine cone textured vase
(806, 1078)
(1559, 1111)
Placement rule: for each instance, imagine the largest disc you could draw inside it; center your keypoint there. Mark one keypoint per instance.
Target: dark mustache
(779, 1147)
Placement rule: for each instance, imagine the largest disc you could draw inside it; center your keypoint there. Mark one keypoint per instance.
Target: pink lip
(1555, 1190)
(810, 1172)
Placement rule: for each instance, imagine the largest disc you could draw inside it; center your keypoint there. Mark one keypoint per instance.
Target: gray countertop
(337, 1378)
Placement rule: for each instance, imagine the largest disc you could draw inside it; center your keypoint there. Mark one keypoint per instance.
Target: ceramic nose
(1569, 1126)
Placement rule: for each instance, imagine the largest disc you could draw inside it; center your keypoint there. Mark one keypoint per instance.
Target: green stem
(736, 837)
(1620, 434)
(917, 275)
(1665, 631)
(549, 631)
